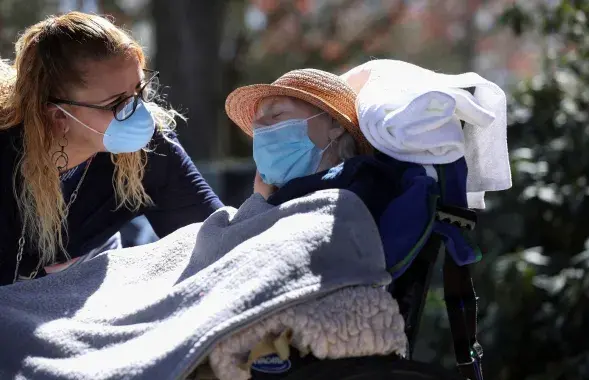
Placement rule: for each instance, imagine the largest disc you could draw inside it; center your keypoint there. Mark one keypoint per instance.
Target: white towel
(413, 114)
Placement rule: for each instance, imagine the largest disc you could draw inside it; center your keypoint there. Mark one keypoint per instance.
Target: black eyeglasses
(147, 91)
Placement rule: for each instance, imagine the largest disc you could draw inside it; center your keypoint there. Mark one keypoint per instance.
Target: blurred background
(532, 281)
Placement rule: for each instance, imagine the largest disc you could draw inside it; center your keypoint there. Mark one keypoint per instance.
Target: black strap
(461, 306)
(459, 294)
(411, 289)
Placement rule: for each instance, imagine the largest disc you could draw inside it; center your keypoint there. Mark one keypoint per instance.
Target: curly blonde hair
(46, 61)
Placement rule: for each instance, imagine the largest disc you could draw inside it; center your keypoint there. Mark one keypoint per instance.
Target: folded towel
(413, 114)
(352, 322)
(420, 129)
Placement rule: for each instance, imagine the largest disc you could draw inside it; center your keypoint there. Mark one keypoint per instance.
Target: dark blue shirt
(180, 195)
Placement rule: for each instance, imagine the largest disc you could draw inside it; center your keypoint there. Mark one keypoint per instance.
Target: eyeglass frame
(113, 108)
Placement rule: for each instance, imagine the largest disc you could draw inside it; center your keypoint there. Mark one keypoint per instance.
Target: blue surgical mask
(283, 151)
(129, 135)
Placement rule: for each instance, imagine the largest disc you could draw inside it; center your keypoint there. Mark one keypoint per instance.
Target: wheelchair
(410, 290)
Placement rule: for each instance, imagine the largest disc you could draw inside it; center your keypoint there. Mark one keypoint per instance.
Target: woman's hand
(262, 188)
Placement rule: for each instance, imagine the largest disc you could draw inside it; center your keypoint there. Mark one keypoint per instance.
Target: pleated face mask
(284, 151)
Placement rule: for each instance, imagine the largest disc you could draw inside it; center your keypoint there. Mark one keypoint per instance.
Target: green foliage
(536, 300)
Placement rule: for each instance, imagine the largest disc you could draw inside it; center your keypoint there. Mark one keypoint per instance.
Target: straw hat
(319, 88)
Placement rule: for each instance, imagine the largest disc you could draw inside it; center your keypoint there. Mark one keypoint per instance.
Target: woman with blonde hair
(84, 148)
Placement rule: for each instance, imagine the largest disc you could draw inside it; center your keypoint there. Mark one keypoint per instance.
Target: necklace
(21, 240)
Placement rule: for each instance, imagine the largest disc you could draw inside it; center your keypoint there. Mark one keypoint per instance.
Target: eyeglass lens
(126, 108)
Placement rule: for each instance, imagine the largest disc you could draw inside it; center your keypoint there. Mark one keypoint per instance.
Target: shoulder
(10, 153)
(10, 150)
(176, 185)
(11, 139)
(165, 143)
(165, 156)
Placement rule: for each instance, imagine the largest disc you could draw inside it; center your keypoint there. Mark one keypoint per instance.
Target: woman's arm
(180, 194)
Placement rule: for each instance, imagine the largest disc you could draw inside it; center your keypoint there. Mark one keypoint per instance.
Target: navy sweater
(180, 194)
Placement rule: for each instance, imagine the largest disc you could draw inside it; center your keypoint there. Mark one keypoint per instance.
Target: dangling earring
(60, 157)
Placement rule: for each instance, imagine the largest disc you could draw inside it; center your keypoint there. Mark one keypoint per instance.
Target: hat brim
(241, 104)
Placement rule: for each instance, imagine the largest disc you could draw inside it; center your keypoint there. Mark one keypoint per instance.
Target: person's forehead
(107, 78)
(275, 101)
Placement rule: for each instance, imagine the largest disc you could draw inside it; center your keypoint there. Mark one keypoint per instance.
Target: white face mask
(128, 135)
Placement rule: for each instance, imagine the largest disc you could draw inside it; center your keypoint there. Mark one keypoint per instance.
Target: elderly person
(306, 138)
(303, 123)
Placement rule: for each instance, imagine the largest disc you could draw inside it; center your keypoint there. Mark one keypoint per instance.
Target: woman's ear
(335, 133)
(58, 119)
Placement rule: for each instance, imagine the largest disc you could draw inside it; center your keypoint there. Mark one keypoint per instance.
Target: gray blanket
(156, 311)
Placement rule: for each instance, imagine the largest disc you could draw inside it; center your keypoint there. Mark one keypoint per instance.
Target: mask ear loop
(314, 116)
(322, 155)
(78, 120)
(328, 145)
(331, 141)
